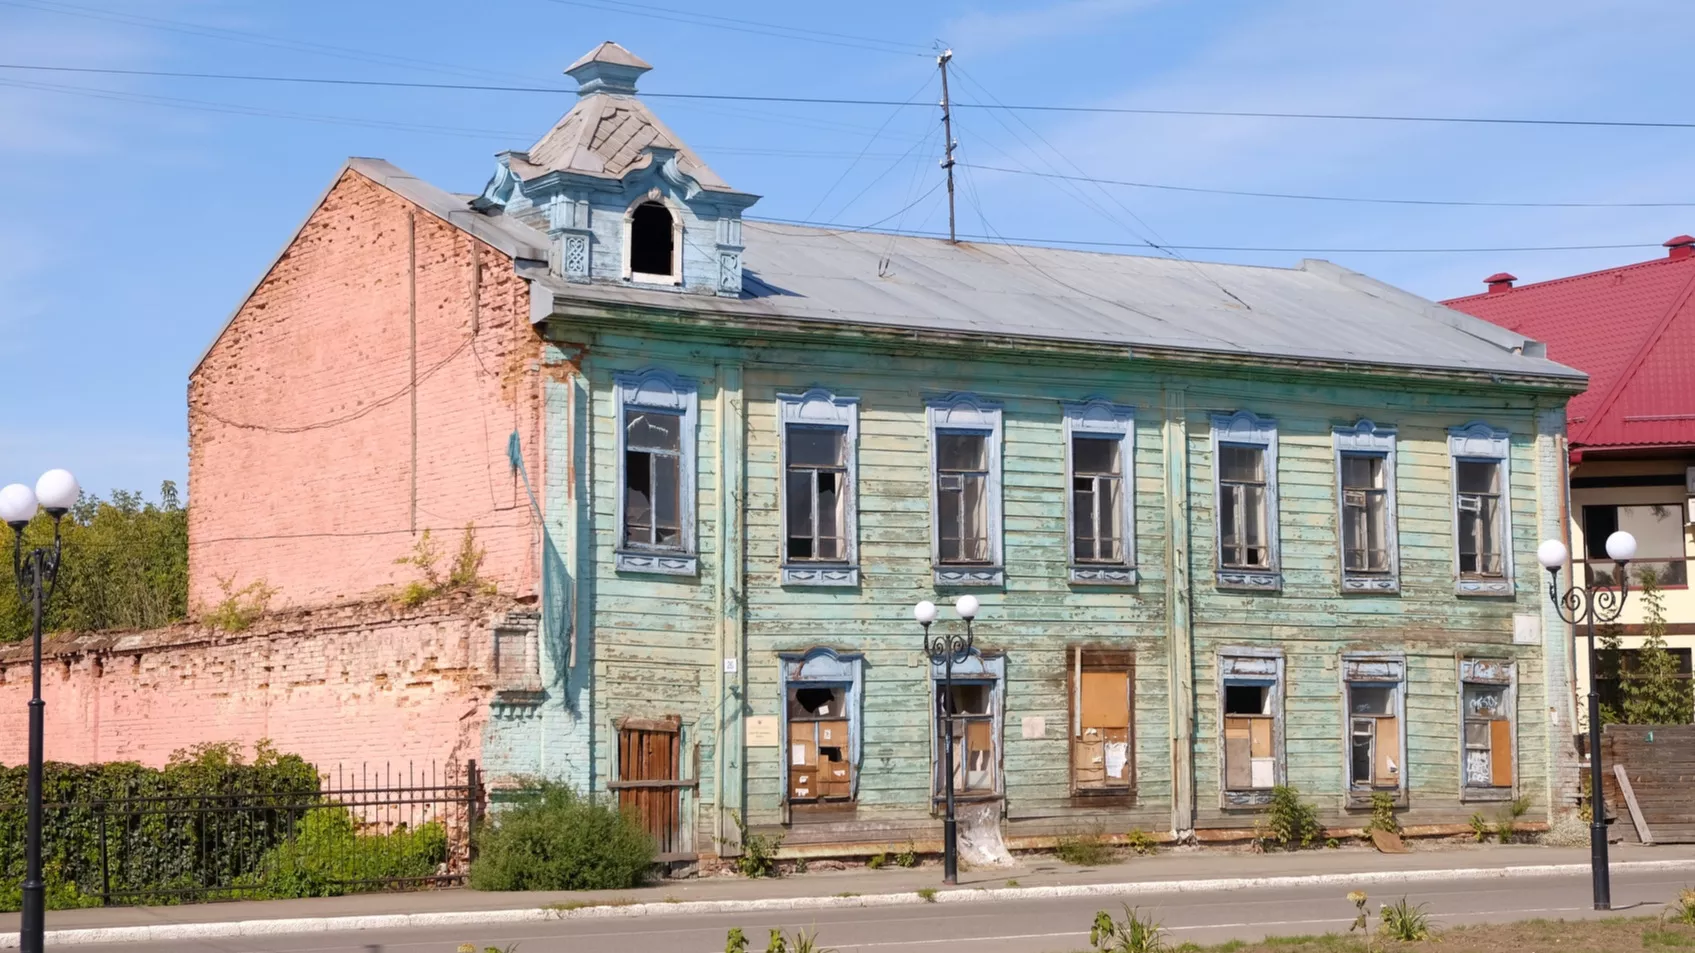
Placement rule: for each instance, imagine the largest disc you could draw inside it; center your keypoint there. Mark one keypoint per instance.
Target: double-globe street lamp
(36, 573)
(1588, 605)
(948, 651)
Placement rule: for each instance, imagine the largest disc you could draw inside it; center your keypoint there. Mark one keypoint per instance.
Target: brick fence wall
(346, 685)
(314, 462)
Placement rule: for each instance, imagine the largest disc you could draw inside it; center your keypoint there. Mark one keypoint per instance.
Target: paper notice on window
(797, 754)
(1117, 753)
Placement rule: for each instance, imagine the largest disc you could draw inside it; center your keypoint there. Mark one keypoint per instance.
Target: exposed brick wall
(301, 431)
(345, 685)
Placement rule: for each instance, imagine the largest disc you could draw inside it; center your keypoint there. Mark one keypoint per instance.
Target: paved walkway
(1034, 871)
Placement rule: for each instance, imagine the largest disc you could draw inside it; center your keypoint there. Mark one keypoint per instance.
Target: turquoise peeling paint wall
(659, 642)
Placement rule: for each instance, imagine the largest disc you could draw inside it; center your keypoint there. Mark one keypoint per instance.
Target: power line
(1327, 198)
(845, 101)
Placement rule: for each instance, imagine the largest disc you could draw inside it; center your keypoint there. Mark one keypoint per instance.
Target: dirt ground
(1614, 935)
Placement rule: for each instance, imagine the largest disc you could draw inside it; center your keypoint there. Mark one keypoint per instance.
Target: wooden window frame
(819, 409)
(982, 669)
(1367, 439)
(1247, 429)
(1257, 666)
(656, 197)
(1501, 673)
(1098, 418)
(967, 414)
(658, 390)
(1374, 669)
(825, 667)
(1087, 660)
(1479, 442)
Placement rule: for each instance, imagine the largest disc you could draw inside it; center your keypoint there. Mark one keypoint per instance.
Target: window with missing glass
(965, 447)
(1483, 557)
(819, 433)
(1100, 507)
(1245, 478)
(1376, 730)
(1365, 486)
(656, 413)
(1486, 712)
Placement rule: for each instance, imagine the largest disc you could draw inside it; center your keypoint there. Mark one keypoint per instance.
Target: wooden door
(648, 782)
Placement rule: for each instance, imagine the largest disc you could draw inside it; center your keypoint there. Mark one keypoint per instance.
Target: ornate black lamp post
(947, 651)
(1588, 605)
(36, 573)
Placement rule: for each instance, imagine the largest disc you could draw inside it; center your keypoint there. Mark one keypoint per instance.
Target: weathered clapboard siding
(657, 640)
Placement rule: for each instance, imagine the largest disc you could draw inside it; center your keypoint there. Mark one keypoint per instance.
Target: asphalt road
(1026, 926)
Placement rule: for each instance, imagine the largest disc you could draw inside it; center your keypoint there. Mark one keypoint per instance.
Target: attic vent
(652, 251)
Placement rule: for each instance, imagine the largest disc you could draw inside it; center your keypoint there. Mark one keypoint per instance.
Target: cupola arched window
(652, 244)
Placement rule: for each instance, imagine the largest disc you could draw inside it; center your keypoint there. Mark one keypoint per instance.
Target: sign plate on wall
(1527, 629)
(762, 731)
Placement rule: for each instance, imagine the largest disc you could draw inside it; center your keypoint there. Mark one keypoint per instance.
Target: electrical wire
(868, 144)
(345, 418)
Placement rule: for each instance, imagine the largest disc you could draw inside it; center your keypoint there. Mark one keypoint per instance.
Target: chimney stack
(1501, 281)
(1682, 246)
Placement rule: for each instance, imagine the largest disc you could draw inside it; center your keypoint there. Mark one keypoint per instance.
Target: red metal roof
(1631, 329)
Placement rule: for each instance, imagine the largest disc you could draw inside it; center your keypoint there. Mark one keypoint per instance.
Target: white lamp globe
(1621, 546)
(924, 612)
(57, 491)
(966, 606)
(1551, 554)
(17, 504)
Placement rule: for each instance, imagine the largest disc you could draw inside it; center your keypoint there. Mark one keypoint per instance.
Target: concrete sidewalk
(1035, 875)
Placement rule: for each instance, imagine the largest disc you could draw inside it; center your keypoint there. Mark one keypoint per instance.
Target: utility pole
(947, 131)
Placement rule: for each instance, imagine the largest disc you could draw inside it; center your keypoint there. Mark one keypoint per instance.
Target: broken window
(817, 493)
(962, 497)
(975, 758)
(1244, 540)
(1374, 734)
(1478, 516)
(1487, 706)
(820, 747)
(652, 480)
(1097, 499)
(651, 241)
(1365, 513)
(1250, 752)
(1101, 750)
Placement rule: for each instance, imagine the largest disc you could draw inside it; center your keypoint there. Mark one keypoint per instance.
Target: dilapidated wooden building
(1231, 527)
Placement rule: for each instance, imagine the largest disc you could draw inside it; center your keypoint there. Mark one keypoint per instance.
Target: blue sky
(140, 209)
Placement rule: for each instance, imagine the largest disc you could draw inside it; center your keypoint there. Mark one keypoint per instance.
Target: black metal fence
(368, 829)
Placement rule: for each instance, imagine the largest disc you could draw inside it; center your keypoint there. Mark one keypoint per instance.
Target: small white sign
(729, 666)
(1035, 726)
(1527, 629)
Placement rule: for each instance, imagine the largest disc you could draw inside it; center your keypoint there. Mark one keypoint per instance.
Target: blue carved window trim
(819, 409)
(659, 390)
(1372, 670)
(967, 413)
(1367, 439)
(828, 668)
(1097, 418)
(978, 669)
(1254, 667)
(1479, 441)
(1246, 429)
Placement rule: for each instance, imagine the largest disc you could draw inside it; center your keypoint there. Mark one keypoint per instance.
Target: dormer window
(653, 245)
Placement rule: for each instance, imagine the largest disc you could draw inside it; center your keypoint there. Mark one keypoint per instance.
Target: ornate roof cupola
(624, 200)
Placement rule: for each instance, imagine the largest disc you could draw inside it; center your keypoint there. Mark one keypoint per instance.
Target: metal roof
(1632, 329)
(1317, 311)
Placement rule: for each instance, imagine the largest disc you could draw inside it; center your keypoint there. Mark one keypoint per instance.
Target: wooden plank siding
(657, 639)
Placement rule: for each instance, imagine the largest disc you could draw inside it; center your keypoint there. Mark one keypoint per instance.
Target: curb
(400, 921)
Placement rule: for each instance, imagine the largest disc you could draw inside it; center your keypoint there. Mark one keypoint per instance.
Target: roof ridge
(1623, 378)
(1563, 279)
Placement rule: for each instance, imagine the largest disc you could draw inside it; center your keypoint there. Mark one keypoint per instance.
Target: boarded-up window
(1486, 700)
(975, 760)
(1250, 753)
(820, 751)
(1102, 752)
(1374, 735)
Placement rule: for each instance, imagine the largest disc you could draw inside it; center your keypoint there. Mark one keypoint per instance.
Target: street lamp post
(36, 574)
(1589, 605)
(947, 650)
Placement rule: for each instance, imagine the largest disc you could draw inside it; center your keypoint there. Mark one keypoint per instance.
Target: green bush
(1085, 850)
(328, 857)
(1291, 822)
(148, 851)
(552, 838)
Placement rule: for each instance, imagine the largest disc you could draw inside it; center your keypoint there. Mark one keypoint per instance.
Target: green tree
(125, 566)
(1654, 692)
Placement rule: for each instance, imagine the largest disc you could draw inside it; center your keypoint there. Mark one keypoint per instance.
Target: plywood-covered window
(1486, 710)
(965, 467)
(819, 434)
(656, 413)
(820, 743)
(1250, 706)
(1102, 745)
(1483, 561)
(1374, 690)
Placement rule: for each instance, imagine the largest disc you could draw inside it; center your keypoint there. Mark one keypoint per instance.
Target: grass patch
(566, 906)
(1085, 850)
(1610, 935)
(928, 894)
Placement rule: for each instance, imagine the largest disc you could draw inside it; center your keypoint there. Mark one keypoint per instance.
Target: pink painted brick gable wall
(302, 434)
